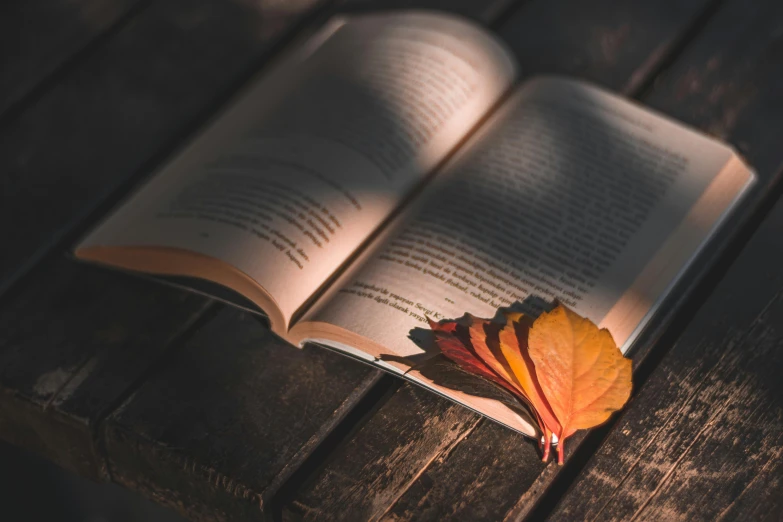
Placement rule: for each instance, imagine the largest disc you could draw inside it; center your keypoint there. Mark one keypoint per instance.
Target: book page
(570, 194)
(296, 175)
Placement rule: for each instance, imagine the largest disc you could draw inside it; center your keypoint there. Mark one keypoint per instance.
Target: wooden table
(198, 406)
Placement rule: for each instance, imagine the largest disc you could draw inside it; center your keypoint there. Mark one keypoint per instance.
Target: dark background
(34, 489)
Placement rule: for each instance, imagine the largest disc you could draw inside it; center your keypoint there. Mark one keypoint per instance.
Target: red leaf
(453, 340)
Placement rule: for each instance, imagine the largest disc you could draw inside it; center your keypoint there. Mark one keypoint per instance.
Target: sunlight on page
(300, 171)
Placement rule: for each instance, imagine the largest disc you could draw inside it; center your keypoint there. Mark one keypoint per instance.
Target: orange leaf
(514, 346)
(580, 369)
(484, 339)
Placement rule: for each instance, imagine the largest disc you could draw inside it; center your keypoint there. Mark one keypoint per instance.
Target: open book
(388, 169)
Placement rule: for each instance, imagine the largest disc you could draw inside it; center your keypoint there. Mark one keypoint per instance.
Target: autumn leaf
(514, 345)
(582, 372)
(566, 370)
(454, 342)
(474, 345)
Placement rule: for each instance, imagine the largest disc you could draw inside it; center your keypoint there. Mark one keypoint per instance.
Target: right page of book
(569, 193)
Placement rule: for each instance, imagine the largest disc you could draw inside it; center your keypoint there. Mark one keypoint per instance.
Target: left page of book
(288, 182)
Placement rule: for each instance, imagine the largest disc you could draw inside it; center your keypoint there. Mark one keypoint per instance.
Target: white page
(296, 174)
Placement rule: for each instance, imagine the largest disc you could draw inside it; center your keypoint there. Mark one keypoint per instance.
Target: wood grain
(467, 482)
(38, 38)
(703, 439)
(217, 430)
(393, 453)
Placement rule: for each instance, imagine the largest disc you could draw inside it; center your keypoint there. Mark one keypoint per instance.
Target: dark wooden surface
(55, 37)
(199, 407)
(74, 342)
(237, 412)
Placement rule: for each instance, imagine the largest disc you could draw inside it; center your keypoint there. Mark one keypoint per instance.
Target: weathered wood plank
(465, 484)
(127, 102)
(73, 338)
(712, 406)
(70, 345)
(486, 474)
(393, 453)
(213, 433)
(707, 424)
(39, 37)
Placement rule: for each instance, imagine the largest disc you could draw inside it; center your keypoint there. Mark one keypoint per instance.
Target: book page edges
(168, 261)
(629, 315)
(343, 340)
